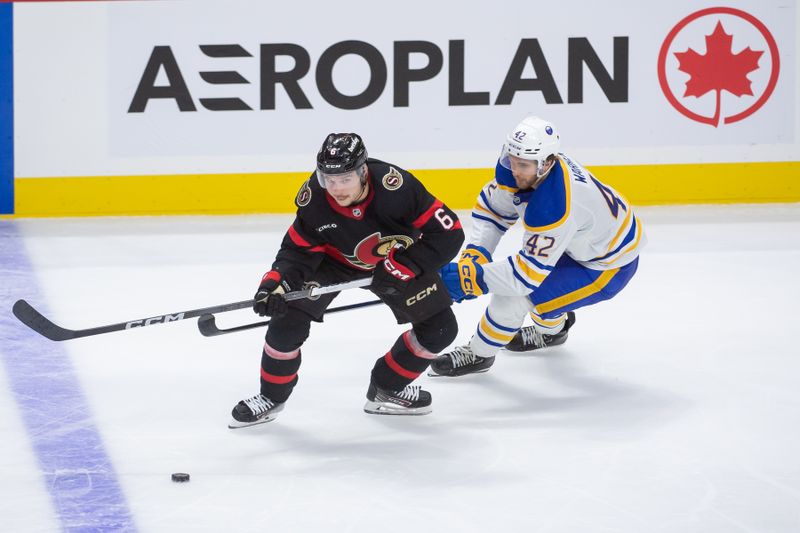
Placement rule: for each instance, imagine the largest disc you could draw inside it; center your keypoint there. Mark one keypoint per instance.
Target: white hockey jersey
(570, 212)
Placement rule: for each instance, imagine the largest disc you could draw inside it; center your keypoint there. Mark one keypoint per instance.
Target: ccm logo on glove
(392, 279)
(464, 280)
(396, 269)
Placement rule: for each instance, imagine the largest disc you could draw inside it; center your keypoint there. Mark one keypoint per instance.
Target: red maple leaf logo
(720, 69)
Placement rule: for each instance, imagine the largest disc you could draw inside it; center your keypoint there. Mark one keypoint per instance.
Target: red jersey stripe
(300, 241)
(426, 216)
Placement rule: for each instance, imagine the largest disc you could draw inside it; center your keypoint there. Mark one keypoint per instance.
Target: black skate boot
(459, 362)
(412, 400)
(252, 411)
(528, 339)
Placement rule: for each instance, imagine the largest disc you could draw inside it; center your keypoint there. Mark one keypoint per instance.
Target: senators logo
(392, 180)
(304, 195)
(371, 250)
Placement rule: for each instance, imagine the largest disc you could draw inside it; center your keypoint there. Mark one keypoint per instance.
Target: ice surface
(673, 407)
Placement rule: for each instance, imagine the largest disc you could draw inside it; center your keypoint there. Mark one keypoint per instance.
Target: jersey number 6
(444, 219)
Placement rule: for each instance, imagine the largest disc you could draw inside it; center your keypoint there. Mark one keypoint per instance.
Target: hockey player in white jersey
(580, 246)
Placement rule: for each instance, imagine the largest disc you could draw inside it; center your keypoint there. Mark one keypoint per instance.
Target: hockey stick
(208, 326)
(32, 318)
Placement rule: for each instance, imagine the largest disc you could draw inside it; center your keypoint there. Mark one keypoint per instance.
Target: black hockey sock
(278, 376)
(401, 365)
(437, 332)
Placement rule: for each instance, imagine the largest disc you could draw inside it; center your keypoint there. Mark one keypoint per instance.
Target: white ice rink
(674, 407)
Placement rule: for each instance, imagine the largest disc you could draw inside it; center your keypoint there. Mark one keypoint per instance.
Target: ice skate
(256, 410)
(459, 362)
(528, 338)
(412, 400)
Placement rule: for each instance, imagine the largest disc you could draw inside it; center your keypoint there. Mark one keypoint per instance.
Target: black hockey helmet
(340, 153)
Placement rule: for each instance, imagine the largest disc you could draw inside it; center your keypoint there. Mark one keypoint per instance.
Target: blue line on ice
(76, 468)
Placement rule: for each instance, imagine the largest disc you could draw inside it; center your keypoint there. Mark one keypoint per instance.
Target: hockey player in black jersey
(359, 217)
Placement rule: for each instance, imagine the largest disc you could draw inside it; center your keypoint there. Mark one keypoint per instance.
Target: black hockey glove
(269, 300)
(392, 276)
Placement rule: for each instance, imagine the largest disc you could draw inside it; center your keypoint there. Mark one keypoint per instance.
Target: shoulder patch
(304, 195)
(393, 179)
(549, 205)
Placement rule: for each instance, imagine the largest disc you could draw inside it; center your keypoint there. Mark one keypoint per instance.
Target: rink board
(220, 108)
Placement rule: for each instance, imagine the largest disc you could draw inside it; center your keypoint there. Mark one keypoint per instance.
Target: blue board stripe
(77, 471)
(6, 109)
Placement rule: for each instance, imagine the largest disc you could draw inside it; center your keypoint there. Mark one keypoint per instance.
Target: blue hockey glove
(464, 280)
(476, 254)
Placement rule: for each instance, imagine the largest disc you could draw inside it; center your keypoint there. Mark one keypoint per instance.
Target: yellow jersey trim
(574, 296)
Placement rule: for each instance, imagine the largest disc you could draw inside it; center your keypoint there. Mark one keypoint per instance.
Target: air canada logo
(718, 66)
(371, 250)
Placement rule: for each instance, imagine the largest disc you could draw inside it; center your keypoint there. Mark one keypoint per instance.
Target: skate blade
(433, 374)
(376, 408)
(532, 351)
(235, 424)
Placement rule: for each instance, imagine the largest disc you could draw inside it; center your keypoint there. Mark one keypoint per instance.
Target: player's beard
(361, 195)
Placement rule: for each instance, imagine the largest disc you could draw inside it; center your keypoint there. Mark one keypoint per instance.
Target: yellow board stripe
(157, 195)
(275, 192)
(572, 297)
(710, 183)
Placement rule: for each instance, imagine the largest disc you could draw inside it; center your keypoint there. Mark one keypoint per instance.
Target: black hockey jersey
(398, 209)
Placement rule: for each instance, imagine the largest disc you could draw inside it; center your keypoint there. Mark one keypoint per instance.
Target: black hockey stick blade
(208, 326)
(39, 323)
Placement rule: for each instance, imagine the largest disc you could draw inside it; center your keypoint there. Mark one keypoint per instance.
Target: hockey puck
(179, 477)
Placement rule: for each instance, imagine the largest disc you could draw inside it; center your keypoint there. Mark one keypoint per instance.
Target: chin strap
(541, 166)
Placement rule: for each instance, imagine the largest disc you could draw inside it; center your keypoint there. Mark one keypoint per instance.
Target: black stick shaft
(32, 318)
(208, 326)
